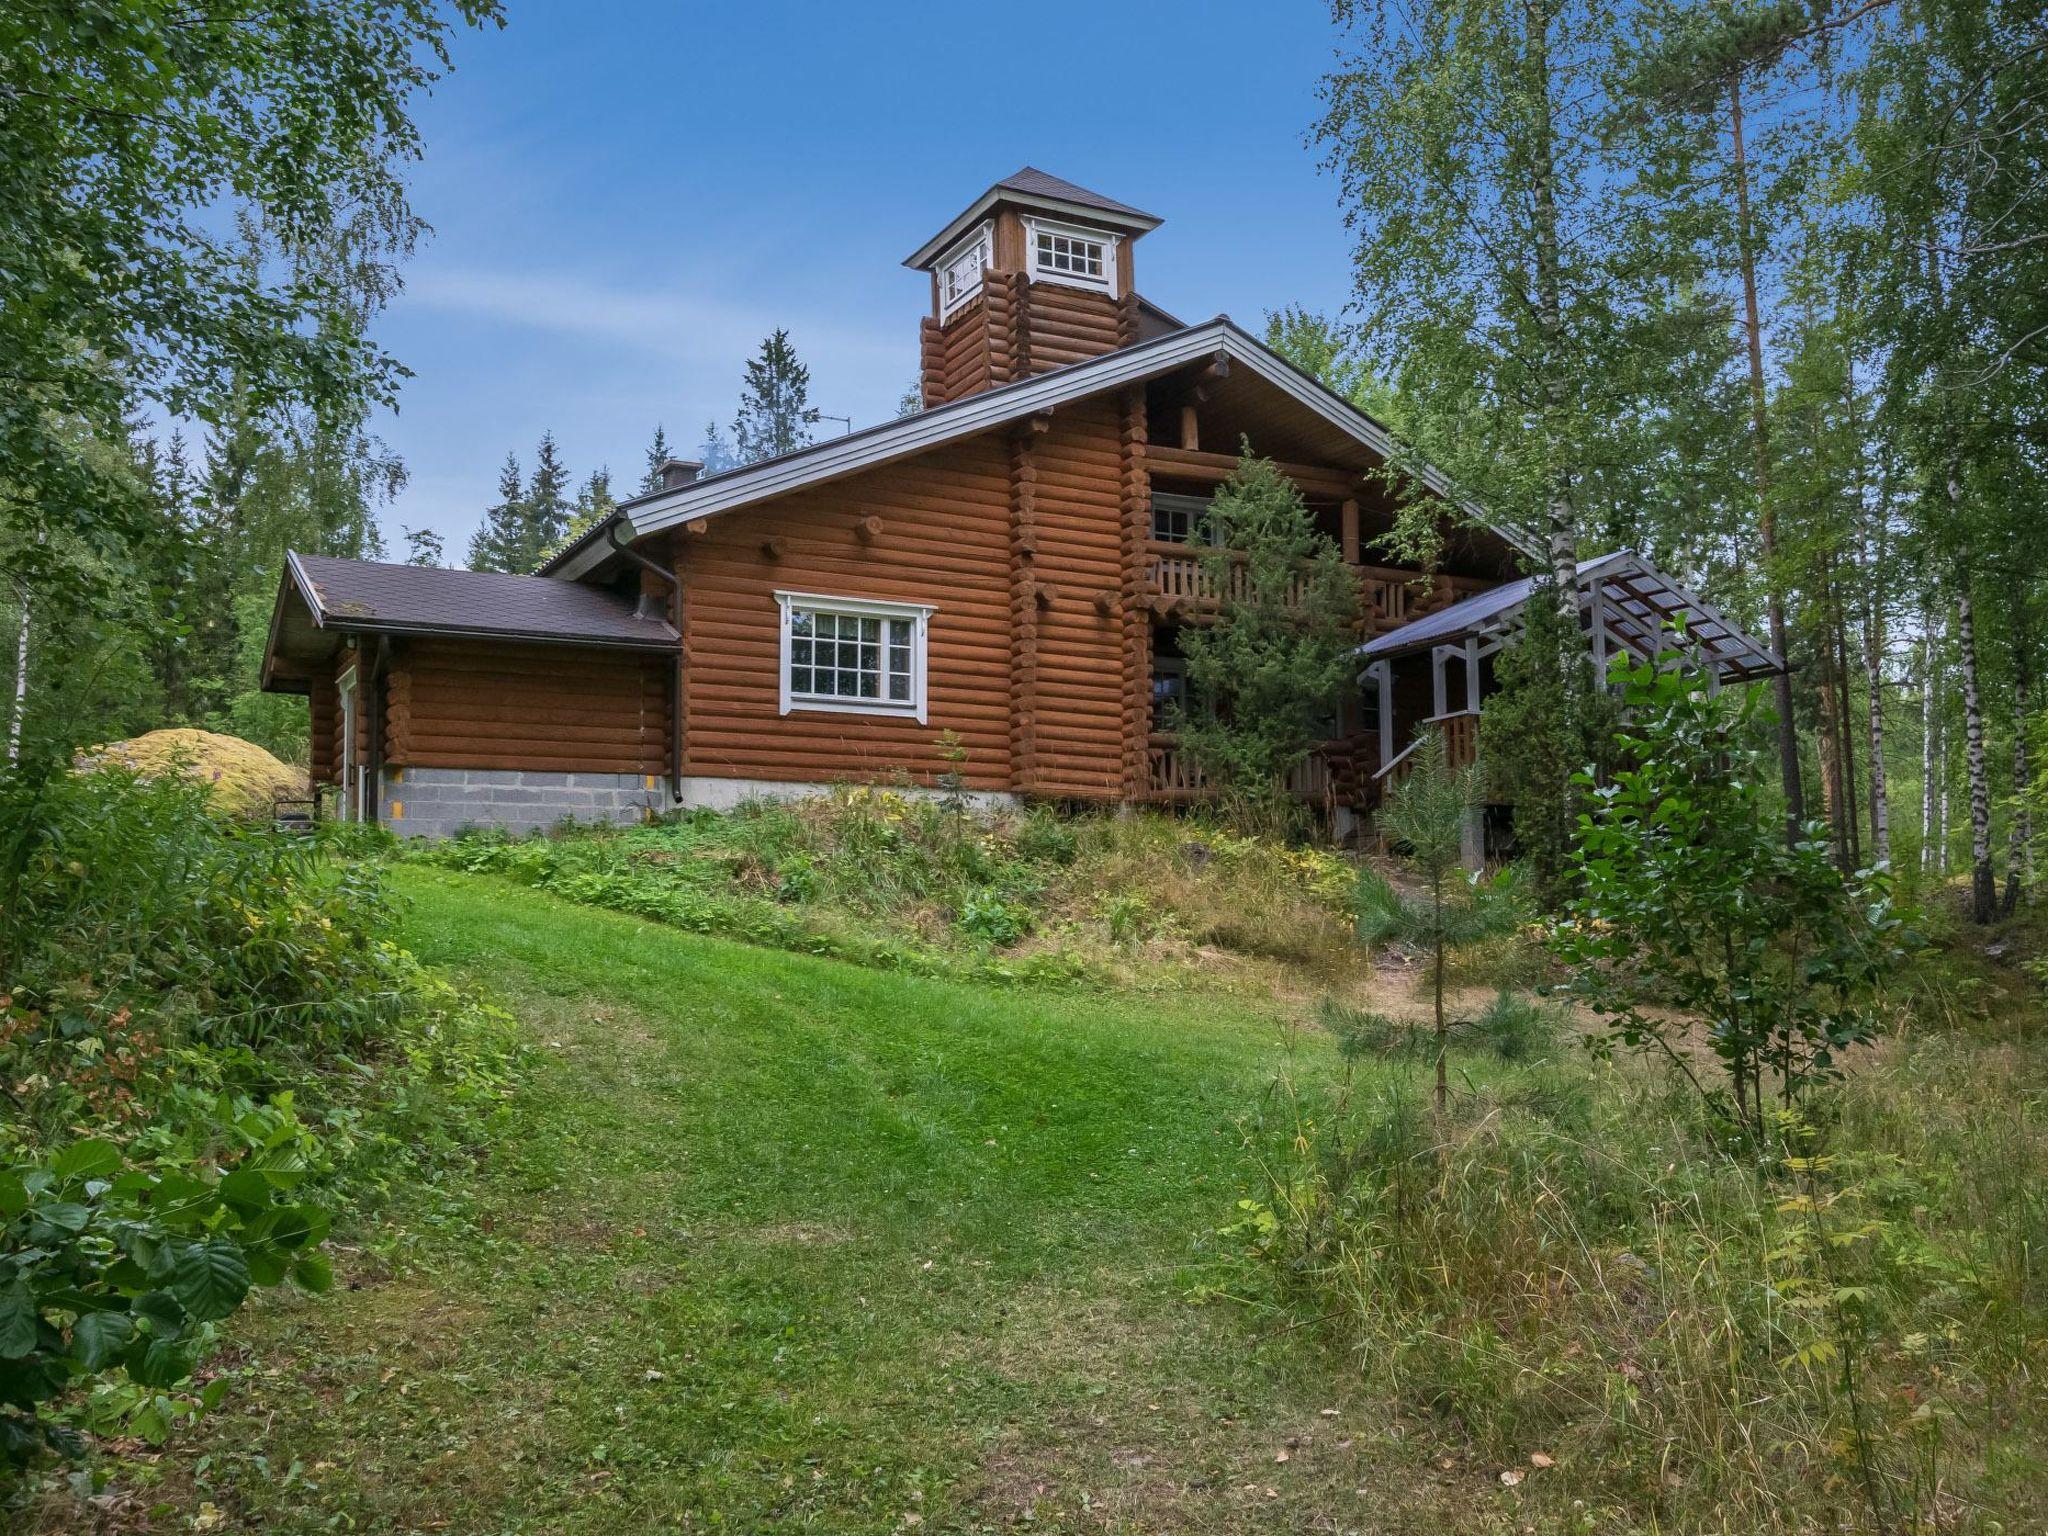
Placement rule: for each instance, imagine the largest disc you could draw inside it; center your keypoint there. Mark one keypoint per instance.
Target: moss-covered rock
(242, 778)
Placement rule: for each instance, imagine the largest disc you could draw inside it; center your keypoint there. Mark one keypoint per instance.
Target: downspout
(675, 670)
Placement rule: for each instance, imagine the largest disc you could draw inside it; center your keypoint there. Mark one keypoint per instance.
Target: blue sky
(627, 197)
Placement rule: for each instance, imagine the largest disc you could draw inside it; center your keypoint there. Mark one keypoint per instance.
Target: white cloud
(659, 322)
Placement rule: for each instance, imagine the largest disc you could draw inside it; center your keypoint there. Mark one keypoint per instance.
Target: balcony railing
(1174, 776)
(1185, 578)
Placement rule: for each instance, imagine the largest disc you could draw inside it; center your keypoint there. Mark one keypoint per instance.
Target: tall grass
(1577, 1269)
(908, 882)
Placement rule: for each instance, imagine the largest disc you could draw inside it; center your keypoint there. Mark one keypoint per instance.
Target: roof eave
(921, 259)
(664, 642)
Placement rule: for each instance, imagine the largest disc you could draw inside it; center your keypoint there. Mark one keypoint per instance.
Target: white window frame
(919, 615)
(1102, 237)
(1196, 510)
(980, 243)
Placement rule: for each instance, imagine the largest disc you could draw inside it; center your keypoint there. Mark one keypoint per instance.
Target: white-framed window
(853, 655)
(1064, 253)
(1177, 519)
(960, 269)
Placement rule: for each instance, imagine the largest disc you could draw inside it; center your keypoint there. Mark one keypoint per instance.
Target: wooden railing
(1186, 578)
(1461, 748)
(1174, 776)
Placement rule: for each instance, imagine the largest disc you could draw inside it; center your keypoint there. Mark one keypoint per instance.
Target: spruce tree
(496, 540)
(1266, 680)
(548, 507)
(658, 454)
(775, 415)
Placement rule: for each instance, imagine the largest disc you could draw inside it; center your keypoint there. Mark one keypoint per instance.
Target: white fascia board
(923, 258)
(979, 413)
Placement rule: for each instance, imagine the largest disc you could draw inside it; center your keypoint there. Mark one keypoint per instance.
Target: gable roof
(908, 435)
(375, 597)
(1638, 602)
(1039, 190)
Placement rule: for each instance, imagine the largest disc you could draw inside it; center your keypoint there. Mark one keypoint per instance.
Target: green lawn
(778, 1243)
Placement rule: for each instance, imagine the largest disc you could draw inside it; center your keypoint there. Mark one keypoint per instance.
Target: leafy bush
(108, 1266)
(986, 916)
(206, 1046)
(1689, 907)
(1046, 839)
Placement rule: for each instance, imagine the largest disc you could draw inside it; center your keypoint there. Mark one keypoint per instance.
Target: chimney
(673, 474)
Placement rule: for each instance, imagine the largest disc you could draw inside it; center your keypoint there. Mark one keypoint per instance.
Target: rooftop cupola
(1034, 274)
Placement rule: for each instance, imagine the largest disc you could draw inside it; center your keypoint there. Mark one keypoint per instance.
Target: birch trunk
(1871, 528)
(1561, 520)
(1760, 421)
(19, 708)
(1928, 718)
(2020, 846)
(1983, 889)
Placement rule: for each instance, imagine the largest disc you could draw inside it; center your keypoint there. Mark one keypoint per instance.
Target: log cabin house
(1011, 564)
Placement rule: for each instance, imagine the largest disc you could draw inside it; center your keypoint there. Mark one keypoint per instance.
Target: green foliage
(1544, 727)
(907, 882)
(1266, 678)
(207, 1045)
(1581, 1269)
(1689, 905)
(114, 1270)
(775, 415)
(149, 159)
(1427, 817)
(1515, 1027)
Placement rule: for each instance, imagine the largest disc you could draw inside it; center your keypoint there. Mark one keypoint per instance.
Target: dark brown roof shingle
(415, 599)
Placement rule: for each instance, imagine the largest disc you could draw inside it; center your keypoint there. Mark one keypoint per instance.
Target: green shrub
(1515, 1028)
(206, 1046)
(988, 917)
(1044, 838)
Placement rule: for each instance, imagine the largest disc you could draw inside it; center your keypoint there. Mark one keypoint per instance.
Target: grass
(904, 883)
(777, 1243)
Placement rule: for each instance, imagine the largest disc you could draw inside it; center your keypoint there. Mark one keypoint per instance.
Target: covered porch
(1625, 605)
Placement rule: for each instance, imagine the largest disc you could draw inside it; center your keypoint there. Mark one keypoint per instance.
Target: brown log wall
(547, 708)
(943, 538)
(1073, 738)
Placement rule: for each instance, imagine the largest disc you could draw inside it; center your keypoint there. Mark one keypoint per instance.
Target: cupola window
(960, 271)
(1060, 253)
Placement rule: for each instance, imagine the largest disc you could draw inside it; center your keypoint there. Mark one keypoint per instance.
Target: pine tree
(658, 454)
(496, 540)
(775, 415)
(911, 401)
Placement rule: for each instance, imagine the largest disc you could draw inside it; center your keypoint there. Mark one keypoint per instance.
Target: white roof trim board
(993, 408)
(1637, 601)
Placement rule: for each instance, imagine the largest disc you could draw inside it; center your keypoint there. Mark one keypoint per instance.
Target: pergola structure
(1623, 601)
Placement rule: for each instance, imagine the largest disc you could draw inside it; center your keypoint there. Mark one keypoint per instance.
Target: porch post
(1436, 677)
(1600, 631)
(1473, 843)
(1384, 672)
